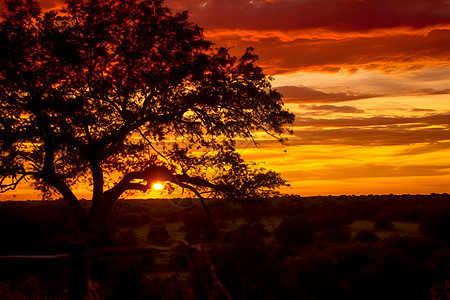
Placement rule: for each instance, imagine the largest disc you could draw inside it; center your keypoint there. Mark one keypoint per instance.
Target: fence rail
(79, 256)
(64, 256)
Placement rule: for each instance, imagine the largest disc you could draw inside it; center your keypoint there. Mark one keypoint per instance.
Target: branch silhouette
(129, 89)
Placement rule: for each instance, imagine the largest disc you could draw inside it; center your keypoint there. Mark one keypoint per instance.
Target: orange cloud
(402, 50)
(387, 136)
(435, 119)
(337, 15)
(325, 35)
(326, 109)
(303, 94)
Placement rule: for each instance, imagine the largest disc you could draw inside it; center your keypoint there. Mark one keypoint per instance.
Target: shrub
(413, 247)
(199, 227)
(295, 231)
(437, 225)
(170, 215)
(120, 276)
(337, 219)
(255, 229)
(127, 237)
(285, 251)
(248, 270)
(364, 210)
(383, 223)
(366, 236)
(130, 219)
(410, 214)
(319, 279)
(338, 234)
(391, 276)
(158, 235)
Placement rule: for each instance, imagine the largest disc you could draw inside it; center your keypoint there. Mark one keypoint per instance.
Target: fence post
(78, 271)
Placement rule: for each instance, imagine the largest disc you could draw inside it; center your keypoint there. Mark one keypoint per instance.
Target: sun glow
(157, 186)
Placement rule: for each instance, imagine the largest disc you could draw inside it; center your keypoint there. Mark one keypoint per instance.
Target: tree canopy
(119, 94)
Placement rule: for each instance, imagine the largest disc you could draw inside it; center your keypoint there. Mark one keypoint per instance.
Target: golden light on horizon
(157, 186)
(370, 95)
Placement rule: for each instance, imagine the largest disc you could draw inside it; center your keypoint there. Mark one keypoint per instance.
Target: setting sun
(157, 186)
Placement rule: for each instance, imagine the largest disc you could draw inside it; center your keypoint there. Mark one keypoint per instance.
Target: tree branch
(150, 174)
(179, 179)
(62, 187)
(120, 134)
(137, 186)
(150, 144)
(198, 194)
(15, 182)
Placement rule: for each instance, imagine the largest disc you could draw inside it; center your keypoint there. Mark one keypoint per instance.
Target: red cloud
(300, 14)
(329, 54)
(281, 31)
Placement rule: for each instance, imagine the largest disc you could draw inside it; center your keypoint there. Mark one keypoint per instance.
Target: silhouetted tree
(119, 94)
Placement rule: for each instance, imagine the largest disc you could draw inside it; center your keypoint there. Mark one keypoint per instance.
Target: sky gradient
(368, 81)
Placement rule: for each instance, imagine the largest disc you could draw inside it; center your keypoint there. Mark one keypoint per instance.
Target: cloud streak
(369, 136)
(303, 94)
(372, 171)
(436, 119)
(388, 52)
(325, 34)
(323, 109)
(341, 15)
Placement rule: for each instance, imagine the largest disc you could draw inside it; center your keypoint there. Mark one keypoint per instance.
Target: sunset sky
(368, 80)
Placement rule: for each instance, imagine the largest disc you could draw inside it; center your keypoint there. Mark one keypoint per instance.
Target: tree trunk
(98, 215)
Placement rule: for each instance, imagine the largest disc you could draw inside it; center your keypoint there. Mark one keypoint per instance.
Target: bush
(130, 219)
(170, 216)
(248, 269)
(255, 229)
(413, 247)
(338, 234)
(355, 258)
(366, 236)
(295, 231)
(127, 237)
(334, 218)
(200, 227)
(285, 251)
(364, 210)
(383, 223)
(158, 235)
(437, 225)
(319, 279)
(120, 275)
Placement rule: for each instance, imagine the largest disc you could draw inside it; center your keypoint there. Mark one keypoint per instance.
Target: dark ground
(346, 247)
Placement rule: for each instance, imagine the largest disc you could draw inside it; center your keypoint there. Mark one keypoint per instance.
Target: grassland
(292, 247)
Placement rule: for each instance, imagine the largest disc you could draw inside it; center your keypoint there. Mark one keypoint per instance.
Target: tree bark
(69, 196)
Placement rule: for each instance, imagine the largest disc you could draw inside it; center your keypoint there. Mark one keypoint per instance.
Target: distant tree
(119, 94)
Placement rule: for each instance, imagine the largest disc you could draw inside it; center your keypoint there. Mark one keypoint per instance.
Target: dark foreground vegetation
(347, 247)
